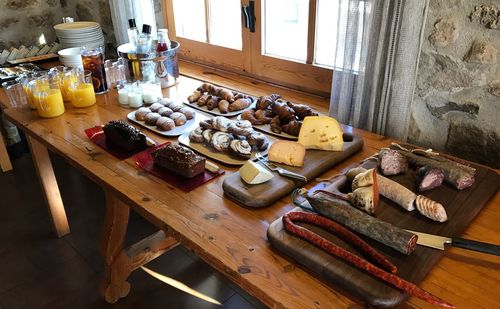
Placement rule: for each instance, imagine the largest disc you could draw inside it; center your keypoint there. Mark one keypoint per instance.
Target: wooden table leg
(120, 262)
(5, 164)
(45, 172)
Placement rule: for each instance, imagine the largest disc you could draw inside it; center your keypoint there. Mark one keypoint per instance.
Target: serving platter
(178, 130)
(226, 158)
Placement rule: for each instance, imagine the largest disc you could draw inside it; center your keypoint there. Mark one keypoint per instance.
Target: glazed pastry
(213, 102)
(221, 123)
(241, 148)
(263, 115)
(178, 118)
(292, 128)
(124, 136)
(302, 111)
(141, 113)
(167, 101)
(240, 128)
(165, 124)
(189, 113)
(239, 104)
(267, 100)
(194, 96)
(258, 140)
(196, 135)
(207, 135)
(223, 106)
(206, 124)
(225, 94)
(176, 107)
(165, 111)
(221, 141)
(203, 99)
(155, 107)
(276, 124)
(151, 118)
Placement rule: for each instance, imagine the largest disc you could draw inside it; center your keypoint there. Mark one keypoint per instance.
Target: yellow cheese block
(253, 173)
(287, 152)
(321, 132)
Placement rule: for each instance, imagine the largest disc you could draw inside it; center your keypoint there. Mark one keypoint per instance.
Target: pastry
(151, 118)
(292, 128)
(267, 100)
(124, 136)
(155, 107)
(207, 135)
(165, 124)
(203, 99)
(189, 113)
(165, 111)
(207, 87)
(196, 135)
(302, 111)
(221, 123)
(275, 124)
(141, 113)
(178, 118)
(240, 95)
(223, 106)
(264, 115)
(212, 103)
(179, 159)
(176, 107)
(250, 116)
(241, 148)
(206, 124)
(240, 127)
(194, 96)
(285, 112)
(239, 104)
(258, 140)
(221, 141)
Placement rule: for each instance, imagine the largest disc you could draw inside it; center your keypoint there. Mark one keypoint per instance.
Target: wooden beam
(50, 188)
(311, 31)
(5, 164)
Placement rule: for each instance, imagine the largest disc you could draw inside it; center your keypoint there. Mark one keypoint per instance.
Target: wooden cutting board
(316, 163)
(461, 207)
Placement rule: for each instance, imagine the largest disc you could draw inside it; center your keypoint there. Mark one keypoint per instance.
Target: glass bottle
(163, 40)
(145, 40)
(133, 32)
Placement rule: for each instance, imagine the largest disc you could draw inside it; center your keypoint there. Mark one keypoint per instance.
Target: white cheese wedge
(253, 173)
(321, 132)
(287, 152)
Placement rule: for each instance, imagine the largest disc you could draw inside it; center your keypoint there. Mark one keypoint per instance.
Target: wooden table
(230, 238)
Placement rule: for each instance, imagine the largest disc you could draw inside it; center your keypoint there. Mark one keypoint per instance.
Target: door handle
(249, 15)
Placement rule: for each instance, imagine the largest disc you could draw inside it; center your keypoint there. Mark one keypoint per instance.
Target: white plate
(77, 26)
(187, 127)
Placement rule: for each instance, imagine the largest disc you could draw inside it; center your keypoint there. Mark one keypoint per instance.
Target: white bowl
(68, 52)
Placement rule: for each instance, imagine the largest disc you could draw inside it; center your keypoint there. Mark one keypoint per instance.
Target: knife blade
(439, 242)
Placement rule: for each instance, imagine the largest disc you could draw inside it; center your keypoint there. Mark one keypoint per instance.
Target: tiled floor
(38, 270)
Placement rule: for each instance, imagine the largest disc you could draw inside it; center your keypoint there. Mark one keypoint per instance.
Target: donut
(221, 141)
(196, 135)
(165, 124)
(151, 118)
(155, 107)
(221, 123)
(165, 111)
(178, 118)
(241, 128)
(188, 112)
(141, 113)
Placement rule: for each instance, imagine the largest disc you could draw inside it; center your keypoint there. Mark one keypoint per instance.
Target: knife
(438, 242)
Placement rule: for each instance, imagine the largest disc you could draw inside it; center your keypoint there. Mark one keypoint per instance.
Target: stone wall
(456, 106)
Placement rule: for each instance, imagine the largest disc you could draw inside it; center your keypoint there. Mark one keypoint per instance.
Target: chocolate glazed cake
(124, 136)
(180, 160)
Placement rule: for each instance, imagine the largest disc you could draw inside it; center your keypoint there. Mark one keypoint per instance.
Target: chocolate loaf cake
(180, 160)
(124, 136)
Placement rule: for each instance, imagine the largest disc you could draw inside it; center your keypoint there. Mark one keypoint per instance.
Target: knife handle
(475, 245)
(289, 174)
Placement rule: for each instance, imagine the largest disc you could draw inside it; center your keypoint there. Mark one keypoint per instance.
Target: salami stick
(355, 260)
(345, 234)
(356, 220)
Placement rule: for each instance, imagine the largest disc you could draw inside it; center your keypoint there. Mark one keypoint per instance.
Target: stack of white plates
(80, 34)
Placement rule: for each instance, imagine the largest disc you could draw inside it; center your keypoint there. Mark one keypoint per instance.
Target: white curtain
(122, 10)
(378, 47)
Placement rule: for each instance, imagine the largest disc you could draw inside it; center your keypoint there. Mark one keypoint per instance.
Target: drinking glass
(48, 98)
(110, 74)
(57, 72)
(15, 93)
(83, 90)
(93, 60)
(69, 78)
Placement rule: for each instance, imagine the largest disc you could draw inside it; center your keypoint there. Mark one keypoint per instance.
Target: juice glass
(93, 60)
(28, 81)
(67, 83)
(83, 90)
(15, 93)
(48, 98)
(57, 73)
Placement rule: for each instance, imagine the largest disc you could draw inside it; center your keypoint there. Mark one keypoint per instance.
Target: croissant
(250, 116)
(292, 128)
(223, 106)
(302, 111)
(207, 87)
(267, 100)
(203, 99)
(225, 94)
(240, 96)
(239, 104)
(276, 125)
(194, 96)
(213, 102)
(285, 112)
(261, 115)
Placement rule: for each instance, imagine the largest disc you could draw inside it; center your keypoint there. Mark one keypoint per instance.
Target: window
(293, 44)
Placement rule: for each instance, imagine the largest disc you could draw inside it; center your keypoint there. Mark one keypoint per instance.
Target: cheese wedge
(321, 132)
(287, 152)
(253, 173)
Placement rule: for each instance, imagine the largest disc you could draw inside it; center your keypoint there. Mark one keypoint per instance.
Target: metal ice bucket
(151, 66)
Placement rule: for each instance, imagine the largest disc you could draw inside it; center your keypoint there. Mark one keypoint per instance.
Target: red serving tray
(145, 161)
(97, 136)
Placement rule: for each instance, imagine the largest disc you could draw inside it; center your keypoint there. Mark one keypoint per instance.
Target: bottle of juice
(163, 40)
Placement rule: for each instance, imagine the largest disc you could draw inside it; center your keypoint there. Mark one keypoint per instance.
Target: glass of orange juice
(83, 94)
(28, 81)
(69, 78)
(48, 98)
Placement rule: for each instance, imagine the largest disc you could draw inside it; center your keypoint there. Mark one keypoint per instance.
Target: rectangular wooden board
(316, 163)
(461, 207)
